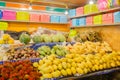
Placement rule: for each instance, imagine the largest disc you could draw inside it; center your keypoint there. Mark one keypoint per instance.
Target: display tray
(87, 75)
(36, 46)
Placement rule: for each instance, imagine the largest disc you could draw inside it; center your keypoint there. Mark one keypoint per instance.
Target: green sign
(55, 9)
(2, 4)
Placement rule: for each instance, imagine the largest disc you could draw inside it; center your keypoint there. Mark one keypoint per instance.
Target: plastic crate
(75, 22)
(54, 19)
(82, 21)
(89, 20)
(23, 16)
(72, 12)
(63, 19)
(103, 4)
(90, 8)
(36, 46)
(45, 18)
(97, 19)
(107, 18)
(116, 17)
(9, 15)
(79, 11)
(3, 25)
(1, 14)
(116, 3)
(34, 17)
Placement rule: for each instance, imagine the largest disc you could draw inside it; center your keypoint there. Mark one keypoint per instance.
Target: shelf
(24, 9)
(87, 26)
(96, 13)
(30, 22)
(91, 74)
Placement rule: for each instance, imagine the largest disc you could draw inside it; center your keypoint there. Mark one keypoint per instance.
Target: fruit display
(43, 51)
(49, 38)
(76, 64)
(21, 70)
(89, 47)
(88, 36)
(24, 38)
(6, 39)
(47, 35)
(57, 50)
(15, 35)
(18, 54)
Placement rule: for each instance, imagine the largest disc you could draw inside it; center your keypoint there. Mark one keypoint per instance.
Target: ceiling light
(91, 2)
(30, 6)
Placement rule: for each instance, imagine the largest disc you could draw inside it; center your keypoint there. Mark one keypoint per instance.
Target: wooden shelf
(96, 13)
(30, 22)
(86, 26)
(36, 11)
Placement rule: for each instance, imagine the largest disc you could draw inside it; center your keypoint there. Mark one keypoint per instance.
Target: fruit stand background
(110, 34)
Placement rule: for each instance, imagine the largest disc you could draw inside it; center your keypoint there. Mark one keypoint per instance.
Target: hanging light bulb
(30, 7)
(91, 2)
(66, 12)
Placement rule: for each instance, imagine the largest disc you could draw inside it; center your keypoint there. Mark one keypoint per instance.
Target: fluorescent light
(91, 2)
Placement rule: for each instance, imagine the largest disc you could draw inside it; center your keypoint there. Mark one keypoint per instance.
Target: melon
(24, 38)
(37, 39)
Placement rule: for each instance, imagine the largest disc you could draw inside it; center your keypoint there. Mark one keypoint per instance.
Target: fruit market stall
(60, 41)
